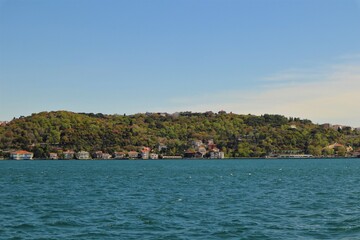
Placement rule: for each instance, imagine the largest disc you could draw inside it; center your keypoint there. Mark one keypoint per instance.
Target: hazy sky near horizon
(298, 58)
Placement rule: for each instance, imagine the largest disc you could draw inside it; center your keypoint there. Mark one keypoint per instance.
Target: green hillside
(236, 135)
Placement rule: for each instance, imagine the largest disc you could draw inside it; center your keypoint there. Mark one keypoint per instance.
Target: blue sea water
(180, 199)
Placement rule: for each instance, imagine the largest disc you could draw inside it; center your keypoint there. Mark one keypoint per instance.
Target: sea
(180, 199)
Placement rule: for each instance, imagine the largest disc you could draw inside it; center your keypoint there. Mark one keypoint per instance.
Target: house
(326, 125)
(53, 156)
(202, 150)
(145, 153)
(119, 155)
(98, 155)
(133, 155)
(356, 153)
(83, 155)
(21, 155)
(69, 154)
(3, 123)
(101, 155)
(337, 127)
(335, 145)
(189, 153)
(199, 155)
(197, 143)
(216, 154)
(105, 156)
(154, 156)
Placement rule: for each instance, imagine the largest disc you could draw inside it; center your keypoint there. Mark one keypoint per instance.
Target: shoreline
(186, 159)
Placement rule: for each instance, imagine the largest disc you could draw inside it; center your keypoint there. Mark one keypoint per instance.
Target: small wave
(24, 226)
(65, 223)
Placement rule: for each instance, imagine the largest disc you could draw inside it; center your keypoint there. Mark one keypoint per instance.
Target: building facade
(21, 155)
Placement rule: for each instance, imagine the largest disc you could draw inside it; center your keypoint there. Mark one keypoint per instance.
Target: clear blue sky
(245, 56)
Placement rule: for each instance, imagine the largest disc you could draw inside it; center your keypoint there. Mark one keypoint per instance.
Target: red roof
(21, 152)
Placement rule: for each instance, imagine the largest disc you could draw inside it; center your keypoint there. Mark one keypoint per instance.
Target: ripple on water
(309, 199)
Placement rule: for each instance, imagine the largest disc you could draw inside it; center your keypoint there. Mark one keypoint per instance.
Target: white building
(216, 154)
(154, 156)
(82, 155)
(21, 155)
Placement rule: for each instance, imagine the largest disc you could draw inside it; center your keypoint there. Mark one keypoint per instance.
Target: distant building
(326, 125)
(106, 156)
(210, 144)
(337, 127)
(133, 155)
(3, 123)
(189, 154)
(145, 153)
(199, 155)
(69, 154)
(101, 155)
(53, 156)
(338, 145)
(216, 154)
(154, 156)
(98, 154)
(335, 145)
(202, 150)
(21, 155)
(119, 155)
(83, 155)
(356, 153)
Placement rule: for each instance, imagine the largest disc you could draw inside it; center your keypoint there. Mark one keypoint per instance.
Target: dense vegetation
(236, 135)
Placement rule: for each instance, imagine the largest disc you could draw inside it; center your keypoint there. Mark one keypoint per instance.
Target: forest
(236, 135)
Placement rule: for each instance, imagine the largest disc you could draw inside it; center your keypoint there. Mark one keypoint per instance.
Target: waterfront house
(119, 155)
(154, 156)
(53, 156)
(83, 155)
(189, 153)
(202, 150)
(133, 154)
(199, 155)
(106, 156)
(216, 154)
(98, 154)
(69, 154)
(145, 153)
(356, 153)
(21, 155)
(101, 155)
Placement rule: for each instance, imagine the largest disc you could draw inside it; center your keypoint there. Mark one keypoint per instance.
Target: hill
(172, 134)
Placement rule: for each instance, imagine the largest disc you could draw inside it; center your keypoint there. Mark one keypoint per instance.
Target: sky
(297, 58)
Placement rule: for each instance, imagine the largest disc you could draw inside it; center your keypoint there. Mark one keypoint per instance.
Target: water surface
(179, 199)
